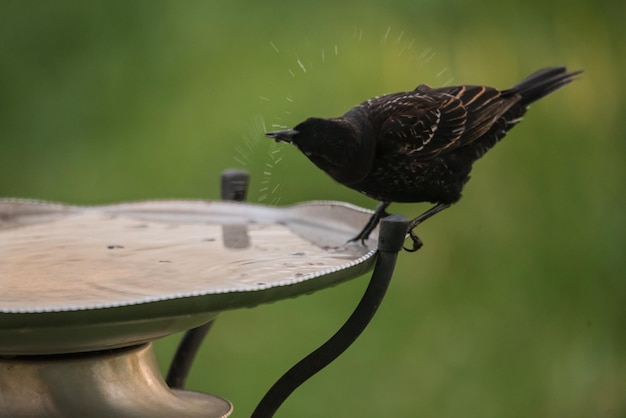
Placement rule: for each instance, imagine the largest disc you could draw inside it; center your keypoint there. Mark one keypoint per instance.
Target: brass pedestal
(121, 383)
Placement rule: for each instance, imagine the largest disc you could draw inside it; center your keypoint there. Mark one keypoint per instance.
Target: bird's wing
(427, 122)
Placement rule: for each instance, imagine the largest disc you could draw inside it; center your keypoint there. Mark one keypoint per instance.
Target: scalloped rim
(144, 300)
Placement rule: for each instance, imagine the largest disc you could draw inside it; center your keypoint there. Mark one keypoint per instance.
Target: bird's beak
(285, 136)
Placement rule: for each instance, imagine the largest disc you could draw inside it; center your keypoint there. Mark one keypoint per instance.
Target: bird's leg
(379, 213)
(417, 243)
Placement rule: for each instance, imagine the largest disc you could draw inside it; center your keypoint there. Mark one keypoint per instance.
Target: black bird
(417, 146)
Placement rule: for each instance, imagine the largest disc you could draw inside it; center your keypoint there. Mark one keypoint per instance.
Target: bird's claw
(417, 243)
(358, 238)
(378, 214)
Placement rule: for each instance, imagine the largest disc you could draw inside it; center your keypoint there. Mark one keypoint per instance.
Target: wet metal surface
(71, 278)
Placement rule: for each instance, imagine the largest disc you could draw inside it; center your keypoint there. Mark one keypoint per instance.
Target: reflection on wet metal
(235, 236)
(234, 188)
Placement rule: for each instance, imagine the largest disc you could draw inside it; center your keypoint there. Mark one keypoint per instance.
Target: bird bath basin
(83, 290)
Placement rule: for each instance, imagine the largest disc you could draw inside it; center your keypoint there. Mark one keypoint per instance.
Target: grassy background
(516, 304)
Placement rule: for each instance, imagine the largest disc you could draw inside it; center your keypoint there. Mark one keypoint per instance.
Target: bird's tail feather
(541, 83)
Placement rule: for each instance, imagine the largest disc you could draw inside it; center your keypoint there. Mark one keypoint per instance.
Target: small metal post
(235, 184)
(234, 187)
(391, 236)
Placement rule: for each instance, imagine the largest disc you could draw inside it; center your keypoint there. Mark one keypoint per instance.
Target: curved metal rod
(185, 354)
(391, 237)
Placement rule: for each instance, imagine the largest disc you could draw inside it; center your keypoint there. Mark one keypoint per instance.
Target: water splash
(245, 151)
(385, 35)
(301, 65)
(268, 188)
(400, 37)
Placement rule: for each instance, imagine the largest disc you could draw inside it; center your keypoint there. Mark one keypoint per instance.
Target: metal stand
(392, 232)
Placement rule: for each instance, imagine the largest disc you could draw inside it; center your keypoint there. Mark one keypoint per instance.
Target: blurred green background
(515, 307)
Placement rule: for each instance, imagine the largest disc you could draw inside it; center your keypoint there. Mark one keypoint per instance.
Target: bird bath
(84, 291)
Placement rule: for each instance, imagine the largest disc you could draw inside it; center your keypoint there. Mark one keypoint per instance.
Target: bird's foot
(417, 243)
(366, 231)
(379, 213)
(361, 237)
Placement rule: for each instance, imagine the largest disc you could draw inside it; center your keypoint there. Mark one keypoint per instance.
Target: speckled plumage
(419, 145)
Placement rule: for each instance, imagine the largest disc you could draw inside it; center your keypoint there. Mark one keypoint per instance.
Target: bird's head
(331, 144)
(316, 136)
